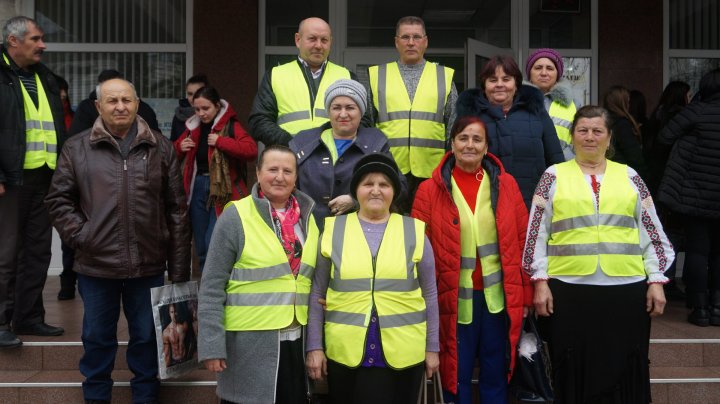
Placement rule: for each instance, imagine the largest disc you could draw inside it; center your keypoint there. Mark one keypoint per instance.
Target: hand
(323, 303)
(341, 205)
(655, 299)
(432, 363)
(212, 139)
(215, 365)
(316, 364)
(186, 145)
(542, 299)
(526, 311)
(2, 189)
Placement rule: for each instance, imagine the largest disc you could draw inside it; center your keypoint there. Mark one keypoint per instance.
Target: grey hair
(17, 27)
(98, 88)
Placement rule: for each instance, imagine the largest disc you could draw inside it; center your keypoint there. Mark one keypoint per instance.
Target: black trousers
(374, 385)
(701, 271)
(25, 252)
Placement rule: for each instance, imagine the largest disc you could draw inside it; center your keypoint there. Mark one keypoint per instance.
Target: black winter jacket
(691, 183)
(12, 118)
(628, 149)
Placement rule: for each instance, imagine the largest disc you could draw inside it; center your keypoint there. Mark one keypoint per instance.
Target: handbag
(532, 379)
(437, 393)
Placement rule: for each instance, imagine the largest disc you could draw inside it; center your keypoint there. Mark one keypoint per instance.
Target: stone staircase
(685, 363)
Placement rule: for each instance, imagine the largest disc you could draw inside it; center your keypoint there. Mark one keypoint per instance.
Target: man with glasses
(414, 104)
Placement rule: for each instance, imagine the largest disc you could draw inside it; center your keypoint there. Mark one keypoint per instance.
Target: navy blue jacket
(324, 182)
(524, 140)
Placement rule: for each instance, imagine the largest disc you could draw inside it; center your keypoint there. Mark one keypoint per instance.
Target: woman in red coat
(214, 150)
(476, 222)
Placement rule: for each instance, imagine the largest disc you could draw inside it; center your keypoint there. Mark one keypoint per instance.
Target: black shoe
(41, 329)
(8, 339)
(66, 293)
(700, 316)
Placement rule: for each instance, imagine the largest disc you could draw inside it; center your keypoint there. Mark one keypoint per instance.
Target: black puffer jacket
(125, 218)
(12, 118)
(691, 183)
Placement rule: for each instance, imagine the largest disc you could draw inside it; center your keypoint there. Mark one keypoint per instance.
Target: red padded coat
(435, 206)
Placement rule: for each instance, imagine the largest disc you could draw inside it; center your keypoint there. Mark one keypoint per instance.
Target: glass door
(478, 53)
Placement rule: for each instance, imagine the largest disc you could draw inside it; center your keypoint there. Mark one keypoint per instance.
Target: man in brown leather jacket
(117, 198)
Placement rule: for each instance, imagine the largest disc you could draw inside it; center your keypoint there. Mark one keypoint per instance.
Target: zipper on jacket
(145, 162)
(126, 212)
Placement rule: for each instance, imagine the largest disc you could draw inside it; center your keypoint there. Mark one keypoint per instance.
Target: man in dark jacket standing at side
(117, 198)
(32, 129)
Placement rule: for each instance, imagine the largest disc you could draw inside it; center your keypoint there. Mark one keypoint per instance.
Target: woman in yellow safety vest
(596, 252)
(376, 271)
(254, 290)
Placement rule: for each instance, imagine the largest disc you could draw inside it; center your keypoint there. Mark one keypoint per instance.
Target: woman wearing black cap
(381, 321)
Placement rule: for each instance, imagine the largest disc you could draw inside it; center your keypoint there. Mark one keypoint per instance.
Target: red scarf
(284, 226)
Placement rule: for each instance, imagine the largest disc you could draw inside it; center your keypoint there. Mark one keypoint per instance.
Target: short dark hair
(275, 147)
(463, 122)
(709, 84)
(507, 63)
(109, 74)
(410, 20)
(199, 78)
(209, 93)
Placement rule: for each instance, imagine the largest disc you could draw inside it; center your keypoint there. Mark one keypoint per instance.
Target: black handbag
(532, 379)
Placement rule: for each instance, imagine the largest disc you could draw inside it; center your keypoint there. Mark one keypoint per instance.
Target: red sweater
(434, 205)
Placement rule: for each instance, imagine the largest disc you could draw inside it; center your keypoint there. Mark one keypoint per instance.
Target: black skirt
(599, 338)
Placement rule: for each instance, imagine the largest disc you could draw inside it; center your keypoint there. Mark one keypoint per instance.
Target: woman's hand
(655, 299)
(432, 363)
(316, 364)
(215, 365)
(341, 205)
(212, 139)
(542, 299)
(186, 145)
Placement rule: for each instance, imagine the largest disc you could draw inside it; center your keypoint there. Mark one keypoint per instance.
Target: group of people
(392, 232)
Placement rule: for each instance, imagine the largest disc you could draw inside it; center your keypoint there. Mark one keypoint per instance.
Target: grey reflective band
(306, 270)
(260, 274)
(399, 320)
(44, 125)
(350, 285)
(343, 317)
(265, 299)
(593, 249)
(293, 116)
(321, 113)
(337, 244)
(417, 115)
(465, 293)
(467, 262)
(487, 249)
(409, 235)
(593, 220)
(398, 142)
(431, 143)
(561, 122)
(440, 77)
(492, 279)
(301, 299)
(382, 97)
(35, 146)
(396, 285)
(51, 148)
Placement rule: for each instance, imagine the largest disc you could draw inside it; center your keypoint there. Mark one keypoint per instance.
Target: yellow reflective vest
(562, 118)
(388, 281)
(40, 136)
(262, 293)
(296, 112)
(478, 238)
(581, 237)
(415, 129)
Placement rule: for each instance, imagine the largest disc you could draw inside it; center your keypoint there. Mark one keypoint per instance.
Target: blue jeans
(101, 301)
(485, 339)
(202, 218)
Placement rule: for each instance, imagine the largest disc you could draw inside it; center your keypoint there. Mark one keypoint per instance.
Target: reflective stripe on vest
(262, 293)
(415, 130)
(478, 238)
(582, 238)
(295, 112)
(40, 136)
(562, 118)
(357, 280)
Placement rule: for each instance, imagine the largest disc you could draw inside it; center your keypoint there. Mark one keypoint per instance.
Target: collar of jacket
(306, 149)
(560, 92)
(99, 134)
(442, 174)
(263, 206)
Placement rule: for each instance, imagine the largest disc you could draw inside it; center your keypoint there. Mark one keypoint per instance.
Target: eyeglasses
(407, 38)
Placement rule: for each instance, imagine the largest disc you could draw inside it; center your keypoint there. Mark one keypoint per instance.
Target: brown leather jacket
(124, 218)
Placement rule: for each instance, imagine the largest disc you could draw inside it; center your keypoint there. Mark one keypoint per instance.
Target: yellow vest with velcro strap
(562, 118)
(389, 281)
(295, 112)
(581, 237)
(262, 293)
(40, 136)
(478, 238)
(415, 130)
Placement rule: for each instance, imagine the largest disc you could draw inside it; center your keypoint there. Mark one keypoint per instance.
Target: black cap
(376, 163)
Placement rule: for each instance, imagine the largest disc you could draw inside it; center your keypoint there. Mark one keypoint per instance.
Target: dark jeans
(202, 218)
(25, 251)
(702, 255)
(374, 385)
(101, 301)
